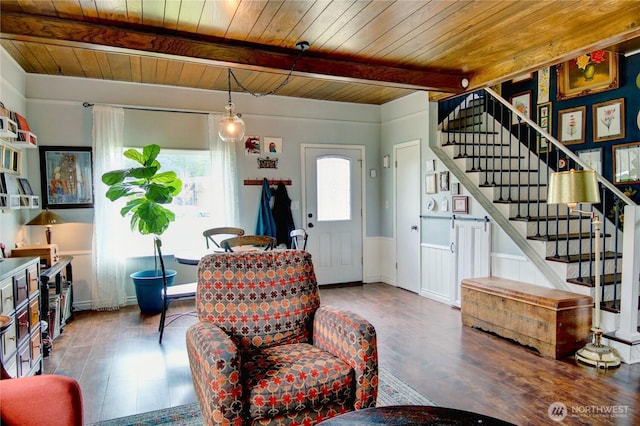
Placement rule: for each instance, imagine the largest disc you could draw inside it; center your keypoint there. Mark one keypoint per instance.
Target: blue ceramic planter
(148, 286)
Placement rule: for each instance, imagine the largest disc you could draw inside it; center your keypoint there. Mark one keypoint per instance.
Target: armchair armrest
(352, 339)
(215, 368)
(46, 399)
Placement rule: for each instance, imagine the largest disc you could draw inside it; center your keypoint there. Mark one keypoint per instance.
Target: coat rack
(271, 181)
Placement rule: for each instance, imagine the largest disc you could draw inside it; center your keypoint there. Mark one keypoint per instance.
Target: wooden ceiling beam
(217, 51)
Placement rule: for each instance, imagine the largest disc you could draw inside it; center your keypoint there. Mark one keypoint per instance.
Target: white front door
(407, 183)
(332, 211)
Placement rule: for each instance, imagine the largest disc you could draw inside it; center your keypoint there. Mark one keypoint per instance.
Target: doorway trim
(363, 192)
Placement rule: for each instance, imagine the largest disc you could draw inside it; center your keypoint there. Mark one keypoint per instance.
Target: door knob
(310, 225)
(414, 227)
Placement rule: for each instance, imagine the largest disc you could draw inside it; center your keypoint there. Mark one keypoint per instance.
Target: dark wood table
(192, 257)
(412, 415)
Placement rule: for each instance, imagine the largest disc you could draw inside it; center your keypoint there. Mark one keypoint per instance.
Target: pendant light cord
(229, 81)
(301, 46)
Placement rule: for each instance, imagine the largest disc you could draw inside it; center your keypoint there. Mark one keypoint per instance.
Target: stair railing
(515, 168)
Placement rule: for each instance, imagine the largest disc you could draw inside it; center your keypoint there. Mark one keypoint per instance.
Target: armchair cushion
(295, 377)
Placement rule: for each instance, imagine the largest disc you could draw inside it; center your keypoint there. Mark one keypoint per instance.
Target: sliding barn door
(471, 250)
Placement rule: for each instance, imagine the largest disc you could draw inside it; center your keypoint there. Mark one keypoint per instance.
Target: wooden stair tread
(571, 236)
(490, 157)
(543, 218)
(530, 171)
(609, 307)
(584, 257)
(454, 143)
(511, 185)
(607, 279)
(542, 200)
(482, 132)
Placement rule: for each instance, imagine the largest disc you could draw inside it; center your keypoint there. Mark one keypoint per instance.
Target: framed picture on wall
(444, 181)
(544, 120)
(431, 183)
(587, 74)
(252, 145)
(571, 125)
(626, 163)
(608, 120)
(66, 175)
(592, 157)
(460, 204)
(272, 145)
(521, 102)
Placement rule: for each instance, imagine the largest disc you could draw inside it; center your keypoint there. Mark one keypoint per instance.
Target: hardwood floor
(123, 370)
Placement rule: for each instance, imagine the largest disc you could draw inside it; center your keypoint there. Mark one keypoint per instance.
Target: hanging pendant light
(231, 127)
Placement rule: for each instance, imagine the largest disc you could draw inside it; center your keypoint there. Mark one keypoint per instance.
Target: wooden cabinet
(21, 343)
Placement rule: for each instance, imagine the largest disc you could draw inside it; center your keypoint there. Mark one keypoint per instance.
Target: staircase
(500, 165)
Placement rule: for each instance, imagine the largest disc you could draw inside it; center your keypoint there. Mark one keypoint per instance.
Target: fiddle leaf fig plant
(146, 190)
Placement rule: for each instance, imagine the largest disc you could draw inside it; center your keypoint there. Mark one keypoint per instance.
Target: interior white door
(407, 208)
(471, 249)
(332, 212)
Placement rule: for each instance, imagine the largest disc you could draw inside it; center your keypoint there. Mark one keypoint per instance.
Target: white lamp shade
(231, 127)
(573, 187)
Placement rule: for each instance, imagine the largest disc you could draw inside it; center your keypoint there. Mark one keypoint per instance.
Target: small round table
(192, 257)
(396, 415)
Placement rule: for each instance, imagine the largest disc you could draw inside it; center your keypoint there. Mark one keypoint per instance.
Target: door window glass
(333, 188)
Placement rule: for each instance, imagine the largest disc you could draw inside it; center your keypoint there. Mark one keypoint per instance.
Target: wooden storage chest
(555, 322)
(48, 253)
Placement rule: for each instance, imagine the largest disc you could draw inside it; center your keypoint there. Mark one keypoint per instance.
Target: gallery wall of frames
(591, 104)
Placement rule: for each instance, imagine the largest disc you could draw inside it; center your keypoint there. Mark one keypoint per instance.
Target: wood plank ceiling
(367, 52)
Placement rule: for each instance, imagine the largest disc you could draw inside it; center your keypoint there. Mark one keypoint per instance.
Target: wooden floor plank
(123, 370)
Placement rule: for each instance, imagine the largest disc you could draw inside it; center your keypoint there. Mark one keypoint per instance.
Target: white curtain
(224, 176)
(108, 268)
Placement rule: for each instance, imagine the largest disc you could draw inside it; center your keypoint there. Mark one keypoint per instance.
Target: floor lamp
(581, 187)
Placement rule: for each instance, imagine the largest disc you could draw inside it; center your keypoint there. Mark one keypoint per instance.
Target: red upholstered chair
(48, 399)
(265, 351)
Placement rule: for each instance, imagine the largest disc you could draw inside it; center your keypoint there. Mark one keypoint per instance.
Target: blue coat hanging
(265, 225)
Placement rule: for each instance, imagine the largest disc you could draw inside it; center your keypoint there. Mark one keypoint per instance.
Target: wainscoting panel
(372, 267)
(517, 268)
(388, 260)
(436, 272)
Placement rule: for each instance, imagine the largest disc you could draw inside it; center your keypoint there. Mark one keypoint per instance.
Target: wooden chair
(172, 292)
(299, 239)
(227, 230)
(263, 242)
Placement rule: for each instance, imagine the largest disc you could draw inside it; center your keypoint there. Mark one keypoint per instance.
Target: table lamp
(46, 218)
(575, 187)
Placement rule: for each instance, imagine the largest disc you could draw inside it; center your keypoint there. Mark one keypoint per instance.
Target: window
(193, 207)
(333, 188)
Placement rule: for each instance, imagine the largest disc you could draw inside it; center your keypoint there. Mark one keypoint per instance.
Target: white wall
(53, 106)
(12, 95)
(56, 114)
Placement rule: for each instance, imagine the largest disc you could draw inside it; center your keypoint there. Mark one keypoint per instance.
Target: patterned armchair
(265, 352)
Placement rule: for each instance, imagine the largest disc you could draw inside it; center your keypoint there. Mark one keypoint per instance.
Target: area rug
(391, 391)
